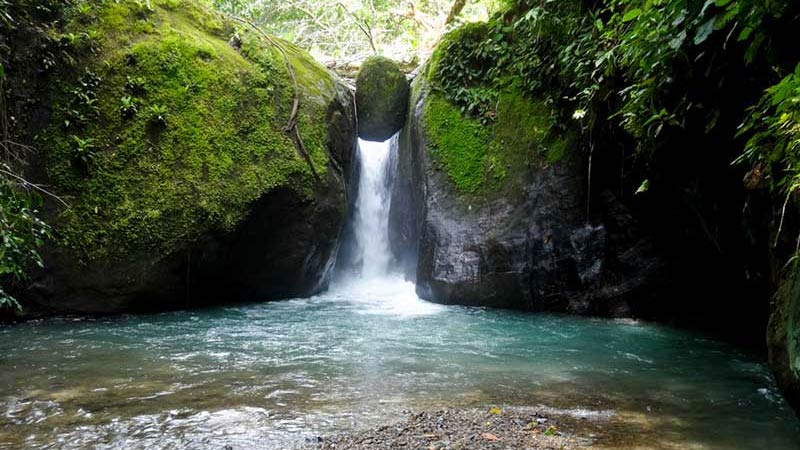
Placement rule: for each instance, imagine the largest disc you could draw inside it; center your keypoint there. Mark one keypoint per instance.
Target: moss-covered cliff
(491, 151)
(169, 130)
(489, 203)
(165, 124)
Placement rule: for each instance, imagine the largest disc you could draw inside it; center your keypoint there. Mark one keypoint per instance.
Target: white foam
(387, 295)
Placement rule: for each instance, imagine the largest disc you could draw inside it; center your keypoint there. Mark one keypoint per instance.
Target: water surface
(271, 375)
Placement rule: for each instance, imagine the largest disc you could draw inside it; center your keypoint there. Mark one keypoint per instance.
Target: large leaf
(704, 31)
(631, 14)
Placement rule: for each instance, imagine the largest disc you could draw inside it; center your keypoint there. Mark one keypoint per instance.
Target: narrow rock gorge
(300, 225)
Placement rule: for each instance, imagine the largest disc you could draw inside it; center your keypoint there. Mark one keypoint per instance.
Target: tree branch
(27, 184)
(365, 28)
(455, 10)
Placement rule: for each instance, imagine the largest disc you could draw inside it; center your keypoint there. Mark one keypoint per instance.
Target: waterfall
(366, 279)
(371, 221)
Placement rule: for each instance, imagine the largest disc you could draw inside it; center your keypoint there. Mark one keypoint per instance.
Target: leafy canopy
(351, 30)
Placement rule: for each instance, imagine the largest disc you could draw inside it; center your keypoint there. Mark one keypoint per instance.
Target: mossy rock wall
(783, 332)
(168, 137)
(491, 210)
(494, 152)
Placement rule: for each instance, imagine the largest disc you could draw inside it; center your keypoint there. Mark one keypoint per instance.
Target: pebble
(459, 429)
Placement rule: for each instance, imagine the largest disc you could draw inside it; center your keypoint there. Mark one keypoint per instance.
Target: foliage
(128, 107)
(561, 50)
(630, 61)
(518, 47)
(773, 125)
(654, 44)
(22, 232)
(350, 30)
(462, 69)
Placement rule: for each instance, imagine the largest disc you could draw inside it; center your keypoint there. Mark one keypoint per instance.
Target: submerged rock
(382, 98)
(496, 215)
(176, 148)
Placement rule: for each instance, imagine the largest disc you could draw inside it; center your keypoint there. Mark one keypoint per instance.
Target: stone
(533, 251)
(219, 205)
(382, 93)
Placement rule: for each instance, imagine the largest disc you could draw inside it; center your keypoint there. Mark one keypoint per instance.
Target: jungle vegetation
(638, 71)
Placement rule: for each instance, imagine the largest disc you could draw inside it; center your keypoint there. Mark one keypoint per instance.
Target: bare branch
(27, 184)
(455, 10)
(291, 126)
(364, 27)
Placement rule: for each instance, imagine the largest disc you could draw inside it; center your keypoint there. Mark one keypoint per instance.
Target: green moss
(459, 143)
(382, 94)
(484, 131)
(494, 158)
(139, 183)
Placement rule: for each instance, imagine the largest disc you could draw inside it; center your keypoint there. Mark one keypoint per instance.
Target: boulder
(382, 99)
(485, 215)
(188, 181)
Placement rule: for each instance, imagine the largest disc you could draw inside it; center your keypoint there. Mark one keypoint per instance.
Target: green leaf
(631, 14)
(746, 32)
(644, 187)
(707, 5)
(678, 40)
(704, 31)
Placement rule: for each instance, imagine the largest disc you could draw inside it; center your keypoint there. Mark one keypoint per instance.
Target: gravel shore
(452, 429)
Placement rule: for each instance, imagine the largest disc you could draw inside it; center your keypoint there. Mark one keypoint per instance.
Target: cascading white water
(374, 288)
(372, 208)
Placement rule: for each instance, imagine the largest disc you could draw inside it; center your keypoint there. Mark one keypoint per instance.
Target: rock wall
(783, 336)
(783, 332)
(526, 243)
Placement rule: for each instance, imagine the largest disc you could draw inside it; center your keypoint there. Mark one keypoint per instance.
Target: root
(291, 126)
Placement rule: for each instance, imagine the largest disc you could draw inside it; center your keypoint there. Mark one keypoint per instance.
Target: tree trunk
(455, 10)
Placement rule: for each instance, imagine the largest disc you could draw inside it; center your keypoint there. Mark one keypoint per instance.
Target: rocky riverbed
(487, 428)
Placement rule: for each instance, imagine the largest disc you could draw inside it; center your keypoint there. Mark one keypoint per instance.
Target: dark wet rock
(783, 336)
(382, 98)
(534, 250)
